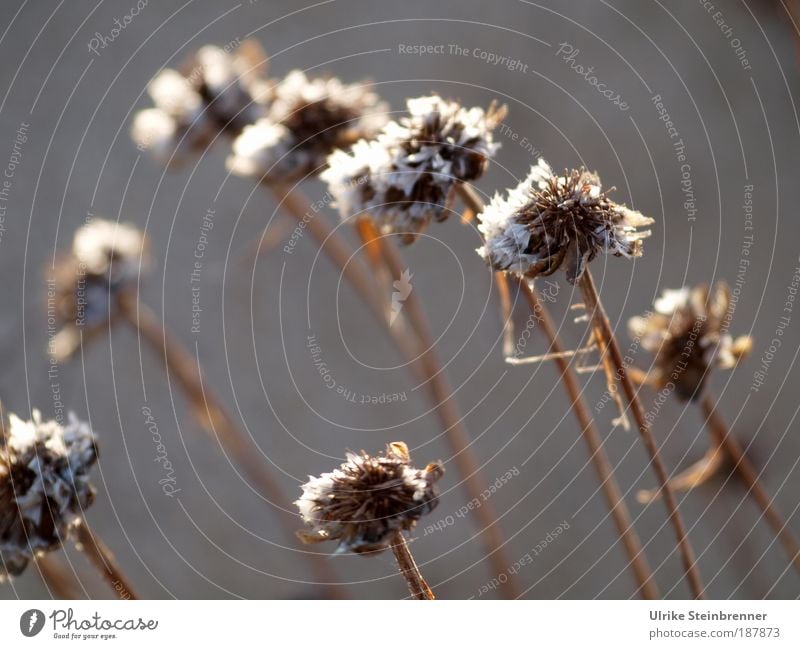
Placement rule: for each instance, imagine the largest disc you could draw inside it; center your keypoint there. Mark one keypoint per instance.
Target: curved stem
(417, 585)
(212, 415)
(605, 472)
(59, 583)
(595, 308)
(103, 560)
(747, 472)
(353, 271)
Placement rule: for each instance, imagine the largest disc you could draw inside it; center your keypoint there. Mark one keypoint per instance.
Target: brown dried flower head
(406, 177)
(688, 335)
(217, 91)
(549, 221)
(106, 259)
(44, 486)
(307, 120)
(368, 498)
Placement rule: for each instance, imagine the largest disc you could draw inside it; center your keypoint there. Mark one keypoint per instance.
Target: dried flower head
(687, 334)
(549, 221)
(216, 92)
(307, 120)
(106, 259)
(44, 486)
(406, 177)
(368, 498)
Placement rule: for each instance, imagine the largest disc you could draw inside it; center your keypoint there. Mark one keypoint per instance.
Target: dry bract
(106, 258)
(306, 121)
(406, 176)
(687, 334)
(549, 221)
(44, 486)
(368, 498)
(216, 92)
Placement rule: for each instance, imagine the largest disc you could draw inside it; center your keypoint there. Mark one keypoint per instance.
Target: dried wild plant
(216, 92)
(550, 221)
(44, 493)
(105, 260)
(44, 486)
(307, 120)
(368, 502)
(687, 333)
(406, 176)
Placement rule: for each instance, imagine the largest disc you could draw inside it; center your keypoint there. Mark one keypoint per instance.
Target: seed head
(549, 221)
(106, 259)
(368, 498)
(217, 91)
(307, 120)
(406, 176)
(688, 335)
(44, 486)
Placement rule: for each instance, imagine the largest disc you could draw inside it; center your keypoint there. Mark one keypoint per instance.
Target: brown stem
(605, 472)
(212, 415)
(103, 560)
(595, 308)
(506, 308)
(750, 477)
(417, 585)
(456, 433)
(339, 253)
(59, 583)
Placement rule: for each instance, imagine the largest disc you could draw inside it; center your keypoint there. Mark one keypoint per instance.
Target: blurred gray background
(737, 118)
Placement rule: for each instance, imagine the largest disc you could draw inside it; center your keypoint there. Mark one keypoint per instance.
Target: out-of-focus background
(726, 74)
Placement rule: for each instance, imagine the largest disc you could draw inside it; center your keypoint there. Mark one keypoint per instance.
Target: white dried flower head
(106, 259)
(548, 221)
(307, 120)
(368, 498)
(406, 177)
(688, 335)
(44, 486)
(218, 91)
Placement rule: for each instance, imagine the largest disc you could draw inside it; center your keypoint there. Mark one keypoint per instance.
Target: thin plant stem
(452, 421)
(637, 559)
(417, 585)
(457, 436)
(211, 414)
(103, 560)
(598, 314)
(605, 472)
(747, 472)
(59, 583)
